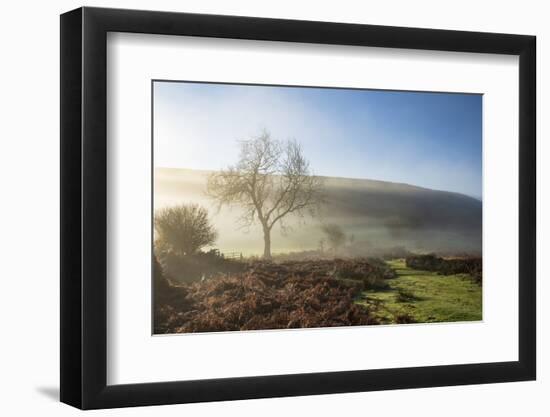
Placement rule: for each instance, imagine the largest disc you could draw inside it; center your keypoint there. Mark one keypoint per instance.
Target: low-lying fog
(373, 214)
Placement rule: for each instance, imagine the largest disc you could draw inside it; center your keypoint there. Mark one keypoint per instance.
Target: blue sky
(432, 140)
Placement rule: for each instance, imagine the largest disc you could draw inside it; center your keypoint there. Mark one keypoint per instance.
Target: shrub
(183, 229)
(472, 266)
(335, 236)
(373, 273)
(424, 262)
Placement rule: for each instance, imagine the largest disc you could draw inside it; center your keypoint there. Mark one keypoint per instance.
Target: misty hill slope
(402, 205)
(378, 214)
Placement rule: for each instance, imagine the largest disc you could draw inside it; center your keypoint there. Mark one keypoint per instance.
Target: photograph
(291, 207)
(273, 204)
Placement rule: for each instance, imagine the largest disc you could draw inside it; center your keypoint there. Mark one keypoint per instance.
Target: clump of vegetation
(372, 273)
(447, 266)
(181, 234)
(384, 269)
(184, 229)
(424, 262)
(335, 236)
(266, 296)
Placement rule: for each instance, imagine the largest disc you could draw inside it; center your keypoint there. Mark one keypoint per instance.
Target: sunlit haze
(432, 140)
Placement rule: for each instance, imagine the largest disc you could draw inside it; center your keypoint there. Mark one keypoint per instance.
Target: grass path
(425, 297)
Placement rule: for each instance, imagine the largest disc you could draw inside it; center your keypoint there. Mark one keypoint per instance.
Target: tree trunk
(267, 243)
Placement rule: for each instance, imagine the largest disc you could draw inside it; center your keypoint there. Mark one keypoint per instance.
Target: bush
(472, 266)
(335, 236)
(183, 229)
(373, 273)
(424, 262)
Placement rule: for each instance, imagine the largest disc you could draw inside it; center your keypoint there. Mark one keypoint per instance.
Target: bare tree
(335, 236)
(183, 229)
(270, 181)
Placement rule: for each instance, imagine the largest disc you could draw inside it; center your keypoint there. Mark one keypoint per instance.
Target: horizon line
(478, 198)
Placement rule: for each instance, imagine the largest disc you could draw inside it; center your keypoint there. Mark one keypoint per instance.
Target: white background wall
(29, 176)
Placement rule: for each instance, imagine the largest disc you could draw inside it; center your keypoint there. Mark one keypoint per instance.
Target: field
(279, 207)
(375, 253)
(425, 297)
(313, 293)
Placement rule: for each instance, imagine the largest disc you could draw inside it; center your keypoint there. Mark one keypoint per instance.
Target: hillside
(378, 214)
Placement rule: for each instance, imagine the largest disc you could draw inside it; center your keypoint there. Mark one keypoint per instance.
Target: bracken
(269, 296)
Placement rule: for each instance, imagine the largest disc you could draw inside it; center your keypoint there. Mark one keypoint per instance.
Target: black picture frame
(84, 207)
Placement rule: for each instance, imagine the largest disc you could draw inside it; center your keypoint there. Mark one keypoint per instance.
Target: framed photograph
(257, 208)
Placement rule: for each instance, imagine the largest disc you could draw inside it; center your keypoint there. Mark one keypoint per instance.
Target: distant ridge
(378, 213)
(352, 181)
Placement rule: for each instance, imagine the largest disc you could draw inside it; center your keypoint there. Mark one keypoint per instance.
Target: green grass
(425, 296)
